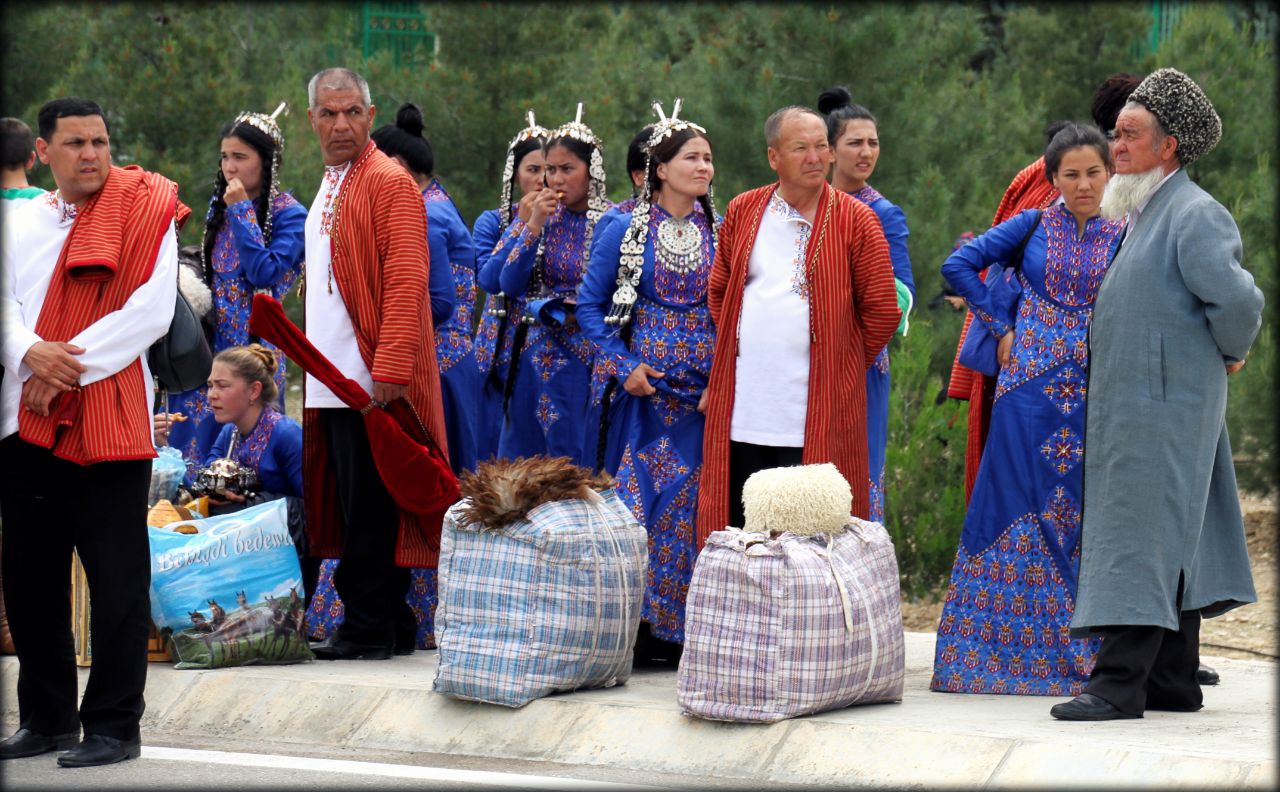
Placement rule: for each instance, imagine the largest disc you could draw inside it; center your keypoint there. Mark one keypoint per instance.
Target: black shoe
(1206, 675)
(1088, 707)
(99, 749)
(1156, 704)
(24, 743)
(331, 649)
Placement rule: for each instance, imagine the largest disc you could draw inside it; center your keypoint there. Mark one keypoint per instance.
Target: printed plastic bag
(167, 472)
(230, 589)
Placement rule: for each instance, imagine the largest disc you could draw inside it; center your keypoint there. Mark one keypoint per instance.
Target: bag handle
(1015, 259)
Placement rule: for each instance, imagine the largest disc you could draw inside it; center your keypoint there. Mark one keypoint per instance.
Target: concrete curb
(929, 739)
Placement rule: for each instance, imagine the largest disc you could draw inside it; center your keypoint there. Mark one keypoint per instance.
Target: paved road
(235, 765)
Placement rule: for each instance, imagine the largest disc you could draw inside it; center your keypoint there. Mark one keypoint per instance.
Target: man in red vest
(365, 297)
(803, 299)
(89, 284)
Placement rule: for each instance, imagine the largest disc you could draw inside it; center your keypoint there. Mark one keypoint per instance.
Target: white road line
(441, 774)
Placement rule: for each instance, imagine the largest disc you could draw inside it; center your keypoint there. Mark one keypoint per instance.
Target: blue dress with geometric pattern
(494, 334)
(1006, 616)
(547, 413)
(659, 436)
(894, 222)
(449, 240)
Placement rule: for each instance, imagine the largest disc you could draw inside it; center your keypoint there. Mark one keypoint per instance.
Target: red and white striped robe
(109, 252)
(853, 312)
(1028, 190)
(380, 266)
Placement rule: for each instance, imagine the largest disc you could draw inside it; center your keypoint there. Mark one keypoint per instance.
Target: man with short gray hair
(364, 294)
(803, 297)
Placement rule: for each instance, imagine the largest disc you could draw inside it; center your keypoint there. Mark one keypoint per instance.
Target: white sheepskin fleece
(195, 290)
(804, 499)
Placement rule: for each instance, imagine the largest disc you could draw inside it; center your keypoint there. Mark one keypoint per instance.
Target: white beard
(1126, 192)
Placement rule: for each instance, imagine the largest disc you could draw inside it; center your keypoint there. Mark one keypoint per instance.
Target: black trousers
(51, 506)
(1145, 667)
(367, 579)
(747, 458)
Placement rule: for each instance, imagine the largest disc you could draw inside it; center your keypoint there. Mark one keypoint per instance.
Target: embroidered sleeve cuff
(243, 211)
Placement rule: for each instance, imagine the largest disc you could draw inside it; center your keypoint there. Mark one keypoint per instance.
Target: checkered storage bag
(776, 628)
(547, 603)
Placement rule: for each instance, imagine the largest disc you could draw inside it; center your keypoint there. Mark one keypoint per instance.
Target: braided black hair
(260, 142)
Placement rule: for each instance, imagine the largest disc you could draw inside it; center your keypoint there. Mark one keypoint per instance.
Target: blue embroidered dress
(1004, 626)
(660, 435)
(547, 413)
(449, 240)
(240, 265)
(493, 335)
(273, 449)
(894, 221)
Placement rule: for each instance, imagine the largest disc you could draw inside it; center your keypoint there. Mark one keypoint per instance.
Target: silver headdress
(597, 200)
(532, 131)
(266, 124)
(509, 170)
(631, 260)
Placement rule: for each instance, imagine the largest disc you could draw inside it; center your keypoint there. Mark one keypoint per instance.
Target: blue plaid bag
(549, 603)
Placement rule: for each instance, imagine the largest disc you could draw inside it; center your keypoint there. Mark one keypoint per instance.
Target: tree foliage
(962, 93)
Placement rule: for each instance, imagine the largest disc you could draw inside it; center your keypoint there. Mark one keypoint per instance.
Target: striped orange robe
(110, 251)
(853, 312)
(380, 266)
(1028, 190)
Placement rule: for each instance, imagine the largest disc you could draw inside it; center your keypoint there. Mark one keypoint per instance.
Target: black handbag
(181, 360)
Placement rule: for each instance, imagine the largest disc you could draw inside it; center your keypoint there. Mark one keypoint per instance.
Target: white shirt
(328, 322)
(34, 234)
(771, 394)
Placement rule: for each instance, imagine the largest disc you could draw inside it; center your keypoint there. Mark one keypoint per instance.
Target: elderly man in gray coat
(1162, 539)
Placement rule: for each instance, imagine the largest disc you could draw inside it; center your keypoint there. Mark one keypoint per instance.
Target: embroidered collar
(784, 210)
(66, 212)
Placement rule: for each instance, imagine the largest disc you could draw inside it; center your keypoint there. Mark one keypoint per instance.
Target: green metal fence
(398, 28)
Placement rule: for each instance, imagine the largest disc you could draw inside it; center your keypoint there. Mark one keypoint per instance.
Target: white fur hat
(805, 499)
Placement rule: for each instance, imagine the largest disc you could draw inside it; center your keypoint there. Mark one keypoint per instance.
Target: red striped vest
(110, 251)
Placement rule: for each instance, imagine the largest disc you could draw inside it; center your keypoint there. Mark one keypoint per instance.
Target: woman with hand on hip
(1005, 623)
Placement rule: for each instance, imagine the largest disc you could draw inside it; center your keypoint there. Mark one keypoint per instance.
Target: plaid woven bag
(776, 628)
(548, 603)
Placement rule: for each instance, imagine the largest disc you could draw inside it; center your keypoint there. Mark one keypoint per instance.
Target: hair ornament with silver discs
(505, 213)
(679, 242)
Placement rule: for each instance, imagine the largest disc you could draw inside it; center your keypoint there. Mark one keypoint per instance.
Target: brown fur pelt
(499, 493)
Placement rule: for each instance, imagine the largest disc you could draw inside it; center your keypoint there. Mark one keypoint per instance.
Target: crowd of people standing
(675, 348)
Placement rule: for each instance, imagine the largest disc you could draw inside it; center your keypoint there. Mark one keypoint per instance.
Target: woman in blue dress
(253, 242)
(242, 399)
(855, 141)
(1005, 621)
(497, 327)
(450, 244)
(656, 338)
(543, 261)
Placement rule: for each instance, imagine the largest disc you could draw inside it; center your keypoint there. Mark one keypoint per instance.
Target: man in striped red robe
(89, 283)
(365, 298)
(803, 299)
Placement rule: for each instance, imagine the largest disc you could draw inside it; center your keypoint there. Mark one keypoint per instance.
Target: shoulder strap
(1015, 259)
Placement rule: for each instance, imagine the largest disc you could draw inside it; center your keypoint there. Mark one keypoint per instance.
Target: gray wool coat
(1160, 495)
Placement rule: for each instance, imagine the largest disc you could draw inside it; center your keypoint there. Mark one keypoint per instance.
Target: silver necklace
(679, 247)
